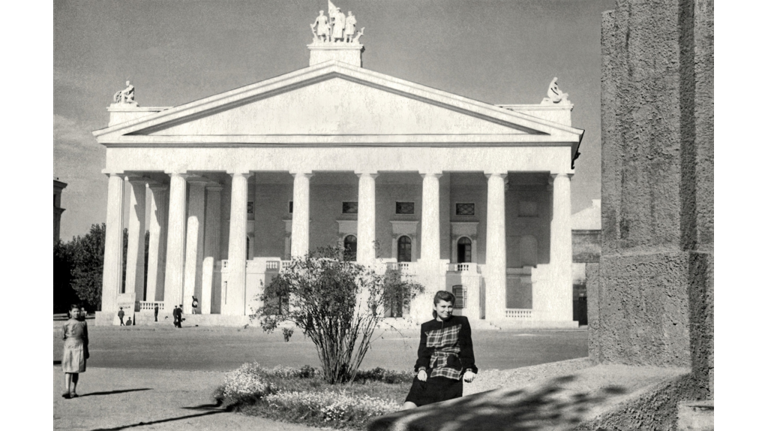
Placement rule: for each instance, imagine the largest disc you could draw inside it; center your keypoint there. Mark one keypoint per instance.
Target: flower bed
(301, 395)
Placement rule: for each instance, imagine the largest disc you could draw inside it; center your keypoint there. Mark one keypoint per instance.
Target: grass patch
(300, 395)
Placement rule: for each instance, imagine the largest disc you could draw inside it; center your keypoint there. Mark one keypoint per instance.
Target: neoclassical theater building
(461, 195)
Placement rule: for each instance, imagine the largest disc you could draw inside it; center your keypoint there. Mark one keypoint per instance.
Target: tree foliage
(336, 303)
(88, 265)
(63, 295)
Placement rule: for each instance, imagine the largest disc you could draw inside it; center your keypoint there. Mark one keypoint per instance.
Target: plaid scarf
(446, 344)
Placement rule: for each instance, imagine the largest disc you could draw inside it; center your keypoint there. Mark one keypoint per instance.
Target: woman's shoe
(66, 396)
(73, 395)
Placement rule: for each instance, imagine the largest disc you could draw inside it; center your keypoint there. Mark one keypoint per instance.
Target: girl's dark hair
(443, 295)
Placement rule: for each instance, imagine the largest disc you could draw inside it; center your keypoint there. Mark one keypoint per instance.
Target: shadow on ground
(160, 421)
(560, 403)
(120, 391)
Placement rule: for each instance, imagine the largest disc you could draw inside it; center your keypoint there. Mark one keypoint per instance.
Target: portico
(464, 196)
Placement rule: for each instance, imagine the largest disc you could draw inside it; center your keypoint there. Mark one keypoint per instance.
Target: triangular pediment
(335, 101)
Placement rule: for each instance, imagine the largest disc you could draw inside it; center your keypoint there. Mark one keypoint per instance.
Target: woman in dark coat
(75, 333)
(445, 356)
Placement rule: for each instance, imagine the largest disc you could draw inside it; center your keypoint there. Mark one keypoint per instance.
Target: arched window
(350, 248)
(404, 249)
(464, 250)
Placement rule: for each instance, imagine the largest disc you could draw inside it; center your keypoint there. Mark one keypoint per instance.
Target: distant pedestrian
(157, 310)
(194, 304)
(177, 316)
(445, 358)
(75, 334)
(121, 314)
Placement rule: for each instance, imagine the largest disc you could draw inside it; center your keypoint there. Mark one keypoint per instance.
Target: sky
(174, 52)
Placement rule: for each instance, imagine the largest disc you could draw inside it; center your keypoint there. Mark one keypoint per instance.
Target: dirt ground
(162, 378)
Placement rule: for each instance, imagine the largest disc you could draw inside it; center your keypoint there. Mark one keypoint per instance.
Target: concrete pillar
(207, 281)
(113, 245)
(300, 225)
(212, 240)
(558, 297)
(194, 245)
(134, 271)
(366, 218)
(495, 274)
(174, 258)
(430, 219)
(233, 302)
(158, 217)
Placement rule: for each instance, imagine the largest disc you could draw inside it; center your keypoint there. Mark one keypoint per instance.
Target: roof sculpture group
(335, 27)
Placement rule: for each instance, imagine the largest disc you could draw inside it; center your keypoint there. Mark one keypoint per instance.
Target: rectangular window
(290, 207)
(404, 208)
(465, 209)
(528, 209)
(349, 207)
(250, 207)
(461, 296)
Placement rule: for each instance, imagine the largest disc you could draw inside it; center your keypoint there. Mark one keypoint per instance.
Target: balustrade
(519, 313)
(150, 305)
(463, 267)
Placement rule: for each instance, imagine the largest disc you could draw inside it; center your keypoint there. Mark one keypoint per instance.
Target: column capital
(372, 174)
(431, 174)
(496, 174)
(113, 174)
(181, 174)
(244, 172)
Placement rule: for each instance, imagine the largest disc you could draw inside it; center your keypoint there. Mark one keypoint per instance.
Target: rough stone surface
(655, 300)
(644, 310)
(559, 397)
(654, 305)
(696, 416)
(586, 246)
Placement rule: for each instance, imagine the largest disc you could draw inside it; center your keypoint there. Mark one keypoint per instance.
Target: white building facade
(463, 195)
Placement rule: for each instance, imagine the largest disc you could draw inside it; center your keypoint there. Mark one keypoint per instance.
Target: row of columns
(193, 235)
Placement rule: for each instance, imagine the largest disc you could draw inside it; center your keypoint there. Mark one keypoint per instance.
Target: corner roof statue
(554, 94)
(335, 27)
(125, 95)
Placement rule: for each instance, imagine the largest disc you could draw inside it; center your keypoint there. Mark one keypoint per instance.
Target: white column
(430, 219)
(212, 242)
(194, 246)
(366, 218)
(158, 215)
(113, 245)
(134, 271)
(174, 258)
(558, 299)
(495, 274)
(238, 222)
(300, 226)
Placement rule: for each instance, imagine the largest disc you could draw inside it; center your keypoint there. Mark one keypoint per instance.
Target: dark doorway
(404, 249)
(464, 250)
(350, 248)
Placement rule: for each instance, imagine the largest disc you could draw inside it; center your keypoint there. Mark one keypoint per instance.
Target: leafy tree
(336, 303)
(63, 295)
(88, 265)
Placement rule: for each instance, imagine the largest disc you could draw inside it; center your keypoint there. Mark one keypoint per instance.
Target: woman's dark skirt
(434, 390)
